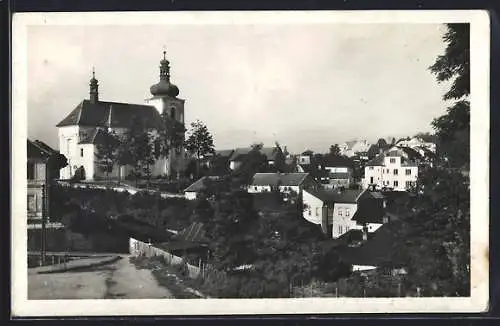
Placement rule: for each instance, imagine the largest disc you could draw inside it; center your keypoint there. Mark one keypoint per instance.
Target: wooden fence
(139, 248)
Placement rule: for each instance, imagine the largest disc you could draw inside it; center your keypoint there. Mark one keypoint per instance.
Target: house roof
(281, 179)
(371, 207)
(339, 175)
(199, 184)
(39, 150)
(240, 153)
(193, 233)
(377, 251)
(111, 114)
(224, 152)
(377, 160)
(336, 161)
(334, 196)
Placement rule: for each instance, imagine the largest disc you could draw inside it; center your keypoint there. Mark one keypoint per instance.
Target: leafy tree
(140, 150)
(335, 150)
(107, 151)
(200, 142)
(453, 128)
(170, 137)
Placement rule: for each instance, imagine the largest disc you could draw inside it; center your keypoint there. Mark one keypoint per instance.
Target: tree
(107, 153)
(200, 142)
(140, 149)
(453, 128)
(335, 150)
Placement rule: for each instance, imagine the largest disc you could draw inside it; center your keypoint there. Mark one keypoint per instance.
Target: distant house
(417, 142)
(283, 182)
(331, 209)
(274, 156)
(396, 169)
(353, 147)
(192, 192)
(339, 172)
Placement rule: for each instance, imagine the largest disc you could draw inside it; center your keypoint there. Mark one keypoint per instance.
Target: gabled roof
(111, 114)
(193, 233)
(371, 207)
(39, 150)
(281, 179)
(376, 161)
(271, 153)
(349, 196)
(200, 184)
(377, 251)
(224, 153)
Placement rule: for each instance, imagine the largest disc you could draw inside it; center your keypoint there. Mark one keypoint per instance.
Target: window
(395, 183)
(340, 229)
(317, 211)
(31, 171)
(347, 212)
(408, 184)
(408, 171)
(81, 152)
(254, 188)
(392, 160)
(31, 203)
(371, 179)
(395, 171)
(309, 211)
(371, 168)
(388, 171)
(340, 212)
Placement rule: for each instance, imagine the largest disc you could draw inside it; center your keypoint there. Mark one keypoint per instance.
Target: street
(118, 280)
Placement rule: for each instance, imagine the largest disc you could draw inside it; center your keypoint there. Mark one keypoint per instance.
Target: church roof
(110, 114)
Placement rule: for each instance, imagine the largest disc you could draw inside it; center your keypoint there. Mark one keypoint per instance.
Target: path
(120, 280)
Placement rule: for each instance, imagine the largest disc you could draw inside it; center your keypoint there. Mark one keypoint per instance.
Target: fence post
(336, 291)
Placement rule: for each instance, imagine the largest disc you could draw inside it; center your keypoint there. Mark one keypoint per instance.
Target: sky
(306, 86)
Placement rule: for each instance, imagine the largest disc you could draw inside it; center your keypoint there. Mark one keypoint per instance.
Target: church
(81, 130)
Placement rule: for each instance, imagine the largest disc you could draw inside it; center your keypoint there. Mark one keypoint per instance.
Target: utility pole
(44, 215)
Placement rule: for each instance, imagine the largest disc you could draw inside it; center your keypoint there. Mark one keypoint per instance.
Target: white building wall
(68, 145)
(373, 175)
(342, 218)
(337, 169)
(190, 195)
(314, 208)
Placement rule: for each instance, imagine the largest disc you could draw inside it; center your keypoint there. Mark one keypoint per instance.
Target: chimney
(365, 233)
(324, 219)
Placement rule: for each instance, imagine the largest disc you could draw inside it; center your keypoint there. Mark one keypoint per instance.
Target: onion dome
(164, 86)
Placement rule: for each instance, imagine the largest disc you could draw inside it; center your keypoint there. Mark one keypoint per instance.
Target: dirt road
(120, 280)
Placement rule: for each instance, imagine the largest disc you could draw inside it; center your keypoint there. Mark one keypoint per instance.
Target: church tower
(94, 88)
(165, 99)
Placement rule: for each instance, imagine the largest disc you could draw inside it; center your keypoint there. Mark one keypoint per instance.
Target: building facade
(82, 129)
(395, 169)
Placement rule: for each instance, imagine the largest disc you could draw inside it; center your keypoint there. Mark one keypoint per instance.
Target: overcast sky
(305, 86)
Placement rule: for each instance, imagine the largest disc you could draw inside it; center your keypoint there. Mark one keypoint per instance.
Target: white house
(284, 182)
(192, 192)
(396, 168)
(81, 130)
(333, 210)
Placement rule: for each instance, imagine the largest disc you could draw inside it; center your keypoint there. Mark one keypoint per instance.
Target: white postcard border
(479, 174)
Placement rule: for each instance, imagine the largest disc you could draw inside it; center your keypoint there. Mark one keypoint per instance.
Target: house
(396, 168)
(38, 178)
(333, 210)
(353, 147)
(192, 192)
(417, 142)
(282, 182)
(339, 172)
(274, 156)
(374, 252)
(82, 129)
